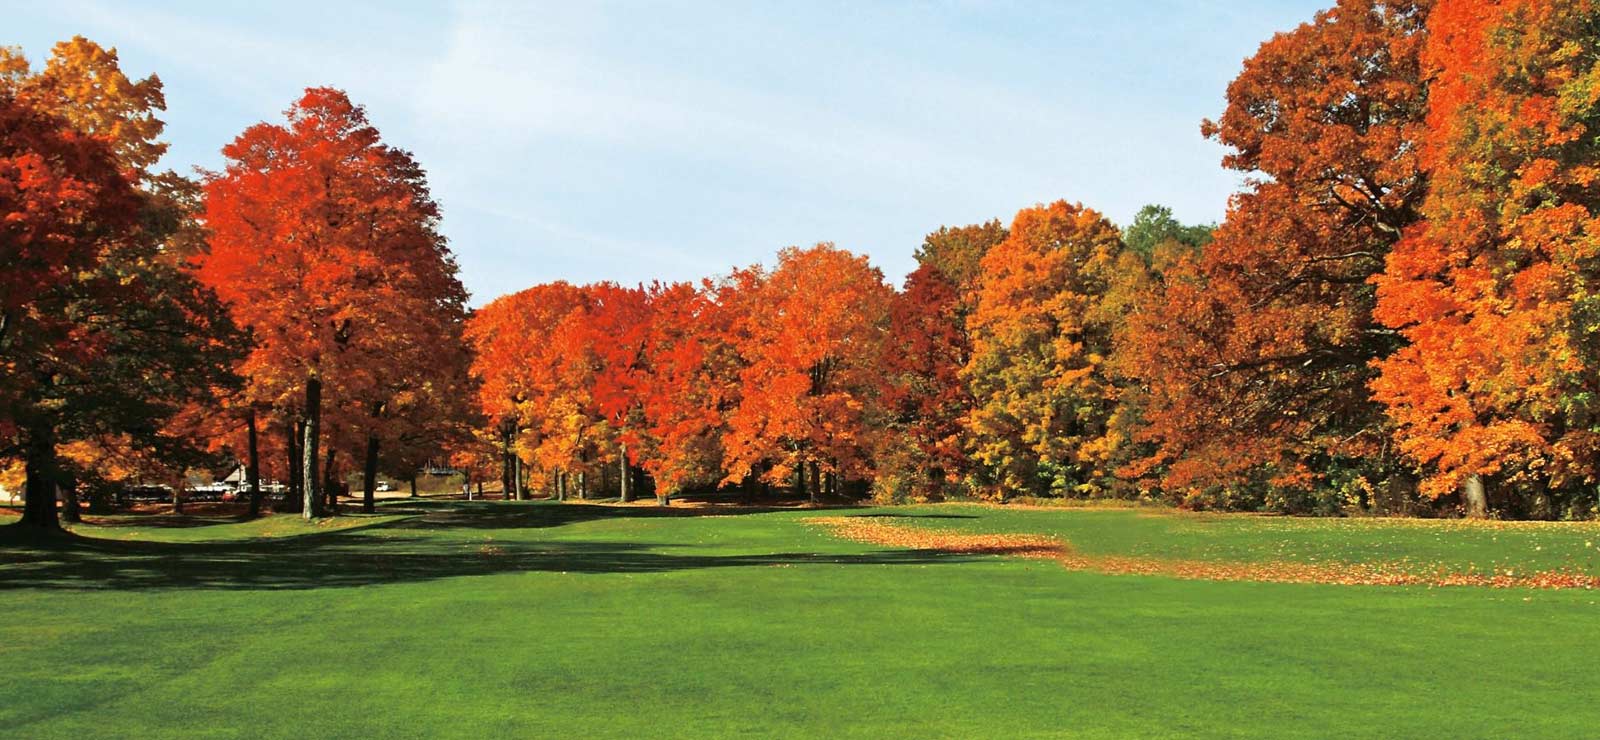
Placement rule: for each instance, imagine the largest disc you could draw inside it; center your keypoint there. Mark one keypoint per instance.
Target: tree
(1154, 227)
(531, 365)
(922, 453)
(957, 251)
(811, 335)
(324, 242)
(1039, 345)
(619, 325)
(1257, 351)
(83, 82)
(103, 335)
(1495, 290)
(689, 387)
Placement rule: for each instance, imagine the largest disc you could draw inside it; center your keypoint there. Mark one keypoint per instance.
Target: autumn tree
(956, 252)
(1039, 345)
(102, 334)
(1257, 351)
(921, 450)
(811, 335)
(1495, 290)
(690, 384)
(618, 324)
(324, 241)
(531, 363)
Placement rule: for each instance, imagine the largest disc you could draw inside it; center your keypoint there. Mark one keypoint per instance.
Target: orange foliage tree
(1495, 291)
(811, 335)
(1040, 339)
(688, 388)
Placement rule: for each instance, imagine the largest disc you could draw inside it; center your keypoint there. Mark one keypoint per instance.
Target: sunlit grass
(513, 620)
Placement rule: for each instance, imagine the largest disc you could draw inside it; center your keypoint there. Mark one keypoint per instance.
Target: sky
(635, 141)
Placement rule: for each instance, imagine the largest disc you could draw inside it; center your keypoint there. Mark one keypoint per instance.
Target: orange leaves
(1489, 290)
(324, 242)
(1255, 354)
(1039, 340)
(1040, 547)
(810, 334)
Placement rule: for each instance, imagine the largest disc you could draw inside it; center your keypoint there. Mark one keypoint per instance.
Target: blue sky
(632, 141)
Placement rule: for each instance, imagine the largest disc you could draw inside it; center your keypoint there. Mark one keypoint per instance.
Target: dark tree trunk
(252, 467)
(39, 490)
(627, 493)
(516, 478)
(294, 497)
(506, 470)
(414, 485)
(177, 499)
(99, 501)
(800, 481)
(816, 481)
(69, 499)
(369, 477)
(330, 484)
(480, 488)
(308, 449)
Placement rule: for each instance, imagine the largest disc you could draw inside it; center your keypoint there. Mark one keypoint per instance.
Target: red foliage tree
(1256, 353)
(324, 243)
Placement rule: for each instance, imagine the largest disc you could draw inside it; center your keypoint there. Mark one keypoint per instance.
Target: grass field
(447, 619)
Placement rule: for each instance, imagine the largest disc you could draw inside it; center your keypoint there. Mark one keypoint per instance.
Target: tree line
(1397, 314)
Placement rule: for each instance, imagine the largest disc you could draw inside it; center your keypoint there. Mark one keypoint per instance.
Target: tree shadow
(403, 552)
(540, 515)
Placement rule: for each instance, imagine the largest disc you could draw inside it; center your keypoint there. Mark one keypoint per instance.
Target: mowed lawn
(448, 619)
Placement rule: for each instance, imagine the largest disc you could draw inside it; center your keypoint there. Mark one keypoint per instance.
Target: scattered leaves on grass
(878, 532)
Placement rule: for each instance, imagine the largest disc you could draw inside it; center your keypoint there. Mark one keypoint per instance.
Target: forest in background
(1398, 314)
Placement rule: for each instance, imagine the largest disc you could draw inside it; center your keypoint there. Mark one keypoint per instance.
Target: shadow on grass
(406, 551)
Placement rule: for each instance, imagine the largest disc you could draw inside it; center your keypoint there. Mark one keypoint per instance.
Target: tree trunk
(252, 466)
(39, 489)
(480, 490)
(816, 481)
(294, 497)
(1473, 497)
(177, 497)
(369, 477)
(330, 484)
(516, 469)
(308, 449)
(414, 486)
(507, 468)
(583, 485)
(69, 499)
(622, 452)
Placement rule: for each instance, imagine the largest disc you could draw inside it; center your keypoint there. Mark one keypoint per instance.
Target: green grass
(491, 619)
(1421, 544)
